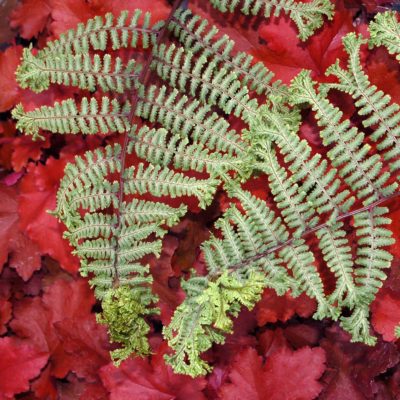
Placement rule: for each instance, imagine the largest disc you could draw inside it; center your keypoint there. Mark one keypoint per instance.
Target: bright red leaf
(19, 363)
(30, 17)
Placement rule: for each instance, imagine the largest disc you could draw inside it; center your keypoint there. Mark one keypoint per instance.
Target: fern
(307, 16)
(78, 70)
(385, 31)
(192, 32)
(89, 117)
(117, 212)
(122, 32)
(203, 79)
(373, 103)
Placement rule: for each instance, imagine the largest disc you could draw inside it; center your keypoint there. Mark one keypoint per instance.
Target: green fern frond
(159, 148)
(88, 118)
(371, 260)
(196, 37)
(307, 16)
(372, 103)
(337, 254)
(87, 173)
(205, 317)
(320, 183)
(360, 170)
(98, 32)
(203, 80)
(385, 31)
(160, 181)
(79, 70)
(297, 213)
(397, 332)
(189, 119)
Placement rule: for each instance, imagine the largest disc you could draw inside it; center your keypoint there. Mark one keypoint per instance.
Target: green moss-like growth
(124, 315)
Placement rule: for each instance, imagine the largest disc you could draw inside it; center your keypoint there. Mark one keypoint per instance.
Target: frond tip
(123, 313)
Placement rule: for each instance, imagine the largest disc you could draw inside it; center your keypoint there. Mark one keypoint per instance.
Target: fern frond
(161, 181)
(204, 317)
(337, 255)
(203, 79)
(89, 117)
(371, 261)
(98, 32)
(84, 175)
(196, 37)
(296, 255)
(361, 171)
(385, 31)
(320, 183)
(79, 70)
(372, 103)
(307, 16)
(159, 148)
(146, 212)
(188, 118)
(297, 213)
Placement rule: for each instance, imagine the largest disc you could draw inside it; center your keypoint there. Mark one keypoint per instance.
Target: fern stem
(307, 232)
(143, 80)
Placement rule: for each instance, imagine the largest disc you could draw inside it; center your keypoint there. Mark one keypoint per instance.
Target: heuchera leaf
(23, 254)
(9, 90)
(139, 379)
(38, 189)
(285, 375)
(19, 363)
(30, 17)
(385, 312)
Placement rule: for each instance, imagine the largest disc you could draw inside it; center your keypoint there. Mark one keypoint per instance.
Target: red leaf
(139, 379)
(354, 368)
(25, 149)
(286, 375)
(286, 55)
(67, 14)
(30, 16)
(19, 363)
(273, 308)
(38, 195)
(9, 90)
(5, 314)
(81, 339)
(24, 254)
(385, 312)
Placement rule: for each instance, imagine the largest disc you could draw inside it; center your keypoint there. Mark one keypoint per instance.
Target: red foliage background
(50, 344)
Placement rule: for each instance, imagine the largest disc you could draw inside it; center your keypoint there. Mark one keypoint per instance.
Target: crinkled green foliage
(385, 31)
(190, 149)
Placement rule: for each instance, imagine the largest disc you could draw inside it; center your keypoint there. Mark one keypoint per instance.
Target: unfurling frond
(385, 31)
(308, 16)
